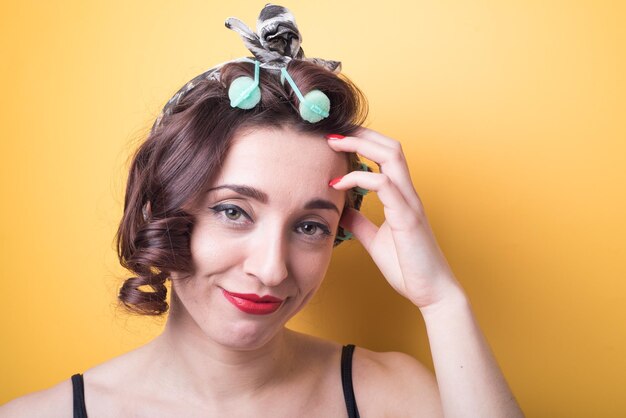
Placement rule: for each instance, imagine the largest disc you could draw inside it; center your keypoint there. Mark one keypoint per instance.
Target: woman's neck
(190, 362)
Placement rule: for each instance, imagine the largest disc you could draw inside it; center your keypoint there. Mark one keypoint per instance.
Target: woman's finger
(359, 225)
(377, 137)
(398, 213)
(390, 160)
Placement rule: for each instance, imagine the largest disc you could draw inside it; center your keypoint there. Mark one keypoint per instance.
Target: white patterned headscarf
(276, 42)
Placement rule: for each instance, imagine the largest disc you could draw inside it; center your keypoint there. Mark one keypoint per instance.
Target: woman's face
(266, 227)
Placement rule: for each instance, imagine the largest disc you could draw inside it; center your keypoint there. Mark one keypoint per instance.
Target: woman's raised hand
(404, 247)
(406, 251)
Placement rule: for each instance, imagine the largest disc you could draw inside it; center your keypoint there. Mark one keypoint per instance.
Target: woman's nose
(267, 258)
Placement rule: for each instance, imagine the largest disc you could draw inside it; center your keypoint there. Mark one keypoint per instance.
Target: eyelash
(221, 209)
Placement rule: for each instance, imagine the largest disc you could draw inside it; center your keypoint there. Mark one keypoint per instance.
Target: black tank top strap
(346, 380)
(79, 396)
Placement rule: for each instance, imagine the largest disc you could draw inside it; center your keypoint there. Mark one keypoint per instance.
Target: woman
(239, 200)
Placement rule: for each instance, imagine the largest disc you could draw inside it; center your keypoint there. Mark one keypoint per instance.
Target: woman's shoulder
(56, 401)
(384, 383)
(394, 383)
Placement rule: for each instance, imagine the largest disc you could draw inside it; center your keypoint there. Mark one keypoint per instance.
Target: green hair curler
(244, 92)
(314, 106)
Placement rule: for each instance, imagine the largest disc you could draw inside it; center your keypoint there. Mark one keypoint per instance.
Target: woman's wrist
(452, 300)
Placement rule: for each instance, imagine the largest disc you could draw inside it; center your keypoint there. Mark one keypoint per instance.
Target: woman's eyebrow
(321, 204)
(262, 197)
(244, 191)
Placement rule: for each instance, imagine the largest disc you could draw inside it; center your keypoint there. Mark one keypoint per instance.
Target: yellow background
(512, 116)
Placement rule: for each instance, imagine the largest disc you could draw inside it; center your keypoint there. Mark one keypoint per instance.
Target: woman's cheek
(312, 264)
(211, 242)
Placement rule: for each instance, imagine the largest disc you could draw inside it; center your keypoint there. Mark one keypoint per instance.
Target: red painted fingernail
(334, 181)
(334, 136)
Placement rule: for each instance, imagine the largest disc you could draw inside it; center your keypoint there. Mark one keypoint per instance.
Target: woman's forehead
(287, 166)
(283, 151)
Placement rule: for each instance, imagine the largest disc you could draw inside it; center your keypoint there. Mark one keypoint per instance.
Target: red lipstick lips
(256, 298)
(252, 303)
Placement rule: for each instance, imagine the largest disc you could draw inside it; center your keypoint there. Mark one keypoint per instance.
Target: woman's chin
(248, 335)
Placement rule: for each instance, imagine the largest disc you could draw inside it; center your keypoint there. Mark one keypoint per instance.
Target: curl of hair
(173, 167)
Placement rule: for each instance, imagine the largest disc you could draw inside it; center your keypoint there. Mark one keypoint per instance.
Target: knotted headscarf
(276, 42)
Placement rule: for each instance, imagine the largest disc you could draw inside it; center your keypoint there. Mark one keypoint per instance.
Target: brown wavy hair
(175, 164)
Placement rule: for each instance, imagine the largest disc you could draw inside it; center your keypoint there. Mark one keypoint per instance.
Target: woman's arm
(469, 379)
(405, 250)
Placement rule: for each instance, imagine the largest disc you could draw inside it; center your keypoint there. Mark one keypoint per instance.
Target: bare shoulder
(53, 402)
(394, 384)
(58, 400)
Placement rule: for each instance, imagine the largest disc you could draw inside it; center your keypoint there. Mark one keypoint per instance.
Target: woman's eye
(232, 213)
(314, 229)
(309, 229)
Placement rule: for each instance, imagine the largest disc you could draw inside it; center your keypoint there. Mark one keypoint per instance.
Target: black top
(79, 396)
(346, 381)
